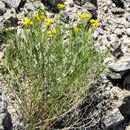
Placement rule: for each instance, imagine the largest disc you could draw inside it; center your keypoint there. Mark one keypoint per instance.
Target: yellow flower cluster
(52, 32)
(85, 16)
(94, 23)
(61, 6)
(27, 21)
(40, 16)
(48, 22)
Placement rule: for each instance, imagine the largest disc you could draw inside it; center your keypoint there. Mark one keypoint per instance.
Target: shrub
(49, 68)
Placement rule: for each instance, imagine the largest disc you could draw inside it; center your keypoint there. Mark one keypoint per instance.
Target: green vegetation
(49, 67)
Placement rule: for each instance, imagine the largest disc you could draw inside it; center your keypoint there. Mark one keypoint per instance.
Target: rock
(120, 67)
(20, 16)
(126, 24)
(125, 107)
(117, 51)
(106, 94)
(128, 31)
(128, 128)
(125, 39)
(114, 76)
(108, 60)
(118, 11)
(128, 8)
(118, 32)
(29, 6)
(38, 5)
(113, 119)
(115, 45)
(13, 3)
(89, 6)
(96, 34)
(113, 38)
(104, 79)
(2, 8)
(101, 31)
(105, 9)
(10, 17)
(118, 2)
(65, 17)
(128, 18)
(70, 15)
(113, 27)
(1, 18)
(108, 3)
(5, 117)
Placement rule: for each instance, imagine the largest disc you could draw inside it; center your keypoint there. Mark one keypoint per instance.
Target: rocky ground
(109, 107)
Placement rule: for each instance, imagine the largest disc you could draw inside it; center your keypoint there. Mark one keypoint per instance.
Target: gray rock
(117, 51)
(29, 6)
(2, 8)
(1, 18)
(128, 18)
(126, 24)
(13, 3)
(125, 39)
(120, 67)
(128, 31)
(113, 119)
(113, 27)
(115, 76)
(9, 13)
(70, 15)
(21, 15)
(128, 7)
(101, 31)
(118, 32)
(65, 17)
(113, 37)
(106, 94)
(89, 6)
(116, 10)
(105, 9)
(115, 45)
(104, 79)
(5, 117)
(10, 17)
(96, 34)
(108, 3)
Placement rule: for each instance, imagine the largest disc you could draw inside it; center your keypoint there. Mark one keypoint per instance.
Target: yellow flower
(27, 21)
(52, 32)
(61, 6)
(48, 22)
(76, 29)
(40, 16)
(94, 23)
(85, 16)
